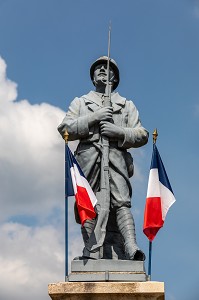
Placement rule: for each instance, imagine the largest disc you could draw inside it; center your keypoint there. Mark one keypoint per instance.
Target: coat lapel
(94, 101)
(117, 102)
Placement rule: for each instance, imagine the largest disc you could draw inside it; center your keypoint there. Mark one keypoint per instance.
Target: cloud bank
(30, 258)
(31, 153)
(31, 196)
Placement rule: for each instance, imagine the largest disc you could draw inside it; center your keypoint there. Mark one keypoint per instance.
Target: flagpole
(155, 135)
(66, 206)
(149, 266)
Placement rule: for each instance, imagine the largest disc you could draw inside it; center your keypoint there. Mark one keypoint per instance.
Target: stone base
(102, 265)
(148, 290)
(107, 270)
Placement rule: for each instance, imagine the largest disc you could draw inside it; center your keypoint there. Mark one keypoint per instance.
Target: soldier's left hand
(111, 130)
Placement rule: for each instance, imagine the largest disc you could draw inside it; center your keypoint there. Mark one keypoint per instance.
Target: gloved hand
(111, 130)
(102, 114)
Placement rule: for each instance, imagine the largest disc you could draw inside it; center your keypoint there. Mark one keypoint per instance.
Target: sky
(46, 50)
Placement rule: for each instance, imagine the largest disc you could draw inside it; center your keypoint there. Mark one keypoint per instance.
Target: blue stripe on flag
(75, 162)
(156, 163)
(68, 179)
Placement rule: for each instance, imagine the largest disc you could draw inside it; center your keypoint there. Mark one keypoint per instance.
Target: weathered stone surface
(149, 290)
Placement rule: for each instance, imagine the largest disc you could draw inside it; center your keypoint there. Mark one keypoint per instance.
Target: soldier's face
(100, 74)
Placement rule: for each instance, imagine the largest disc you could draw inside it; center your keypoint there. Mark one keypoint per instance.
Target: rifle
(98, 235)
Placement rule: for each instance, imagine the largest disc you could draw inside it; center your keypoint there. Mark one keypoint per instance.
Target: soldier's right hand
(104, 114)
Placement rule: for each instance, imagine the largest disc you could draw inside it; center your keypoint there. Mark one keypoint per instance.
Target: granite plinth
(148, 290)
(107, 270)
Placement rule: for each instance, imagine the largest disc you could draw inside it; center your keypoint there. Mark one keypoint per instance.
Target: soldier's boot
(126, 227)
(86, 230)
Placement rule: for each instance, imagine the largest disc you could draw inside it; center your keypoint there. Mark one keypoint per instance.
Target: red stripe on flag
(152, 217)
(85, 208)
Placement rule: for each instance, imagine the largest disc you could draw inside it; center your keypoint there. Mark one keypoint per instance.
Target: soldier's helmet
(113, 65)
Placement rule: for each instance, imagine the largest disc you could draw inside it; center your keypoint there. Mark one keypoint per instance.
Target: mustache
(110, 78)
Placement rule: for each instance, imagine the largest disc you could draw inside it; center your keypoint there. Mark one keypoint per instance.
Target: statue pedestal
(107, 279)
(107, 270)
(149, 290)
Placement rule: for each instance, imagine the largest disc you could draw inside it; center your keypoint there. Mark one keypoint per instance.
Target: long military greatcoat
(88, 153)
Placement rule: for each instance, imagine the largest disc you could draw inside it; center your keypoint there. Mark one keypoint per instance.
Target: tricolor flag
(159, 199)
(78, 186)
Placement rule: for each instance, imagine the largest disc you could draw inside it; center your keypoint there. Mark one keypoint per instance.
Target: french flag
(78, 186)
(159, 199)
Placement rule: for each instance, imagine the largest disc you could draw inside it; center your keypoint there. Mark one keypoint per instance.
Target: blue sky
(48, 47)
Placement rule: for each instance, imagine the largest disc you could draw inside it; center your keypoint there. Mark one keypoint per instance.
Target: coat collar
(95, 98)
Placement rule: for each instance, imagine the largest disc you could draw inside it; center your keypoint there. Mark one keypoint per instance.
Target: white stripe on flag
(157, 189)
(153, 184)
(82, 182)
(90, 192)
(72, 172)
(167, 199)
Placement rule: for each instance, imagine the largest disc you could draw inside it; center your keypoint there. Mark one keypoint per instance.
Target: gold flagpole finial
(66, 136)
(155, 135)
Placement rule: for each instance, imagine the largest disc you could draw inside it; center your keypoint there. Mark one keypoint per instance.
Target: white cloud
(8, 90)
(30, 258)
(31, 154)
(32, 184)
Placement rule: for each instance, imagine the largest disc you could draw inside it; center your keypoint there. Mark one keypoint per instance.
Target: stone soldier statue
(87, 120)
